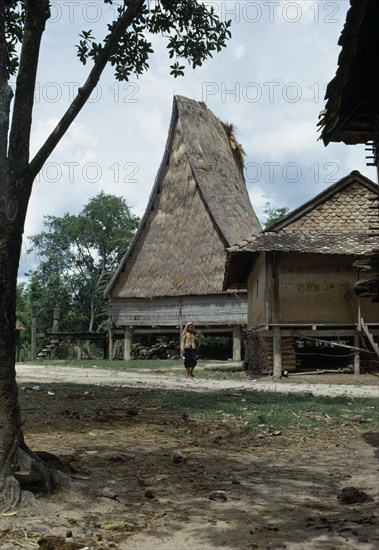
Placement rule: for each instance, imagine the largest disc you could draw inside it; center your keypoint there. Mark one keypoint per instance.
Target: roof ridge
(218, 217)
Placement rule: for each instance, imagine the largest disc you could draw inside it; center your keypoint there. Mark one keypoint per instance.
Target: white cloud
(123, 130)
(77, 142)
(239, 52)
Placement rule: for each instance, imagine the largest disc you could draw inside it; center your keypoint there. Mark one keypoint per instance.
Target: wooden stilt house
(300, 278)
(351, 113)
(199, 205)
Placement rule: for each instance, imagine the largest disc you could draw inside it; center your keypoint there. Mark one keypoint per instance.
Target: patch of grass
(274, 410)
(248, 408)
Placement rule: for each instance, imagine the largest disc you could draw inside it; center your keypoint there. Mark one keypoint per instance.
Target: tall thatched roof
(198, 207)
(336, 221)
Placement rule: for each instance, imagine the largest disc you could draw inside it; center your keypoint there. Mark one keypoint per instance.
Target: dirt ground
(175, 482)
(365, 385)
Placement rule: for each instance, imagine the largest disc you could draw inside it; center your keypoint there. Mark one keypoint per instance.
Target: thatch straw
(199, 206)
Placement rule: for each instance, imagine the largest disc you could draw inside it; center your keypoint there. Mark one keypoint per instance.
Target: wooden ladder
(46, 349)
(369, 337)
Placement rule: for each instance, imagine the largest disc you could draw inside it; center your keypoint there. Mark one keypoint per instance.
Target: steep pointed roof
(336, 221)
(199, 206)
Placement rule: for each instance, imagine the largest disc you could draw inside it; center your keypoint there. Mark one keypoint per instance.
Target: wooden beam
(55, 327)
(277, 352)
(334, 344)
(317, 333)
(79, 343)
(237, 343)
(275, 311)
(110, 344)
(128, 338)
(357, 362)
(34, 332)
(74, 335)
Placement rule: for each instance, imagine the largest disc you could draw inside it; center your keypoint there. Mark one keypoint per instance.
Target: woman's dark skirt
(190, 358)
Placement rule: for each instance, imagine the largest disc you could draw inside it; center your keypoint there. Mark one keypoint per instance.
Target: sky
(269, 82)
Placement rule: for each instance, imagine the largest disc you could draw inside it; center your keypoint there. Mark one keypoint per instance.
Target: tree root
(10, 493)
(46, 473)
(85, 488)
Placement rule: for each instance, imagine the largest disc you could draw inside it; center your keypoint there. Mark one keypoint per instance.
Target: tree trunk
(16, 178)
(10, 421)
(13, 449)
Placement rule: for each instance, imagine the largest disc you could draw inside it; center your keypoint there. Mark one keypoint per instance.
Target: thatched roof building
(199, 205)
(299, 272)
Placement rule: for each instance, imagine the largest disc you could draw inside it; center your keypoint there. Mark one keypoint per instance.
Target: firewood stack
(169, 350)
(369, 287)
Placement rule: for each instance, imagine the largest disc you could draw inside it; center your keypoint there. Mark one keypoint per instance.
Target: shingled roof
(199, 206)
(317, 243)
(336, 221)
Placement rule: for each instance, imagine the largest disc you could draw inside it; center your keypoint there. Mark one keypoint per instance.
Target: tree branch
(6, 94)
(134, 9)
(37, 12)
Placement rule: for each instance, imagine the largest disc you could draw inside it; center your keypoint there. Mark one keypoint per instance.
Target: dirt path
(279, 490)
(352, 385)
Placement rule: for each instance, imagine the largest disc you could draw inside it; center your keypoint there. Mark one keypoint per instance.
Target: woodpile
(256, 352)
(259, 353)
(289, 361)
(169, 350)
(369, 287)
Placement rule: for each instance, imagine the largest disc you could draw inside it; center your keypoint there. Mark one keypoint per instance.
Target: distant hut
(199, 206)
(300, 277)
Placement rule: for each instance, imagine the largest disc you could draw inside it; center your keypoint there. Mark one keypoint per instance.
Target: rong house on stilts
(300, 277)
(351, 113)
(199, 206)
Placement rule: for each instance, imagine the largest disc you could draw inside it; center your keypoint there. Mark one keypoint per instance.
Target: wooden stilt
(127, 344)
(237, 343)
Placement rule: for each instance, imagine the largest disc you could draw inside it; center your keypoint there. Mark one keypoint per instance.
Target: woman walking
(188, 347)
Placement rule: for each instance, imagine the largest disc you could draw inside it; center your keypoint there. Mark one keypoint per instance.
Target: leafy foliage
(23, 314)
(14, 26)
(78, 255)
(273, 214)
(192, 30)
